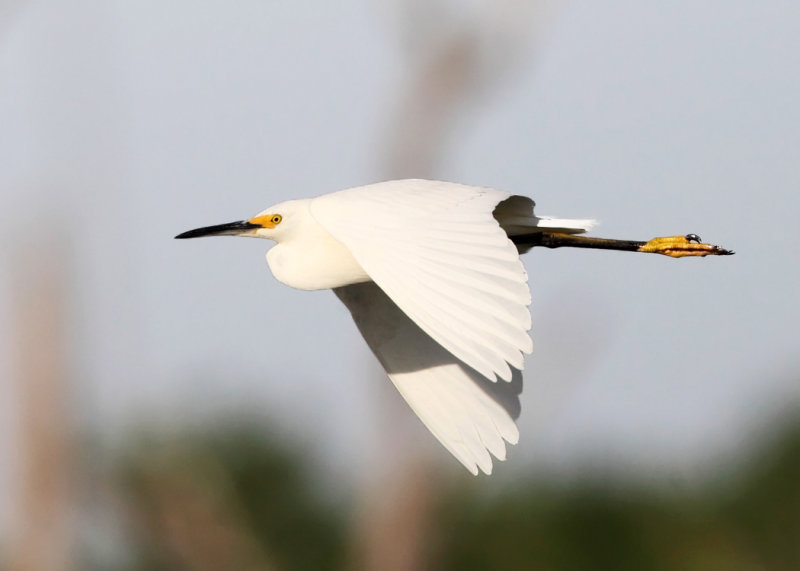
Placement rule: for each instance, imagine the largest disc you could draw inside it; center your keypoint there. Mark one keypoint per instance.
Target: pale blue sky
(125, 124)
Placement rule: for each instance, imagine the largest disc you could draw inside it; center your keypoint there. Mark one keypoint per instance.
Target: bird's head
(272, 223)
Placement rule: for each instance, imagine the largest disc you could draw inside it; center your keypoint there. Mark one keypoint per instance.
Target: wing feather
(472, 417)
(437, 251)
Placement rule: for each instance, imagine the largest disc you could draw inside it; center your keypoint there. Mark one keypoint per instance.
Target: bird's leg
(673, 246)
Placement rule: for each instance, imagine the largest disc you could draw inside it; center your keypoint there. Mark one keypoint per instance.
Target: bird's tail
(562, 225)
(516, 217)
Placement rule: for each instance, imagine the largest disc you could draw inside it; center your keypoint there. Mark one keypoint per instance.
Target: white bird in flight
(431, 274)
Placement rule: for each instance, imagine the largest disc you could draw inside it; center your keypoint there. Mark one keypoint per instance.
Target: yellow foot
(681, 246)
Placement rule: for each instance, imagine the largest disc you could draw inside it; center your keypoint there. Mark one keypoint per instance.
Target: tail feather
(515, 216)
(564, 225)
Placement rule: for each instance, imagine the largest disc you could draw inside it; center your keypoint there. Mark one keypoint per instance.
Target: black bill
(229, 229)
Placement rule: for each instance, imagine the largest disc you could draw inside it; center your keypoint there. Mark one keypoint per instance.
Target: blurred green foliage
(226, 497)
(748, 520)
(231, 498)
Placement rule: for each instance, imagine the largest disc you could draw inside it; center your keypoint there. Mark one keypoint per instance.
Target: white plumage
(469, 414)
(436, 250)
(435, 286)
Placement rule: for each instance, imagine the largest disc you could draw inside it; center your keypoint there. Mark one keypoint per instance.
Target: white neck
(310, 258)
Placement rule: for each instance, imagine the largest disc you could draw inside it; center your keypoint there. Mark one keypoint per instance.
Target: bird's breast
(317, 261)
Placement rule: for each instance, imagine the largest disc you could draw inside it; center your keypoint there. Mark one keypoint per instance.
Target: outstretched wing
(440, 255)
(468, 414)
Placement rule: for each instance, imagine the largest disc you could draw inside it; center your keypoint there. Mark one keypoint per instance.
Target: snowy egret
(431, 274)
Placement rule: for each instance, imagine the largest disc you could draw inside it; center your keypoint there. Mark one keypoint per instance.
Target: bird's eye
(693, 238)
(276, 219)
